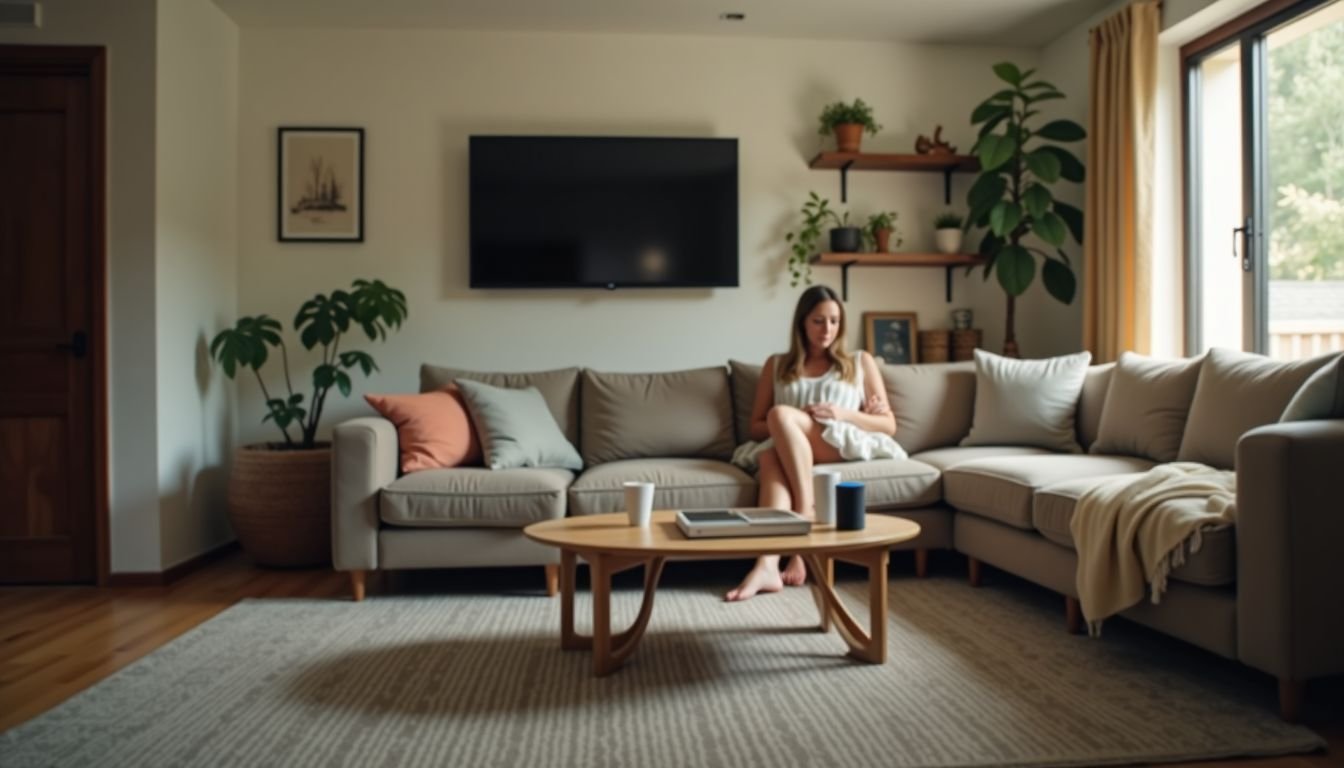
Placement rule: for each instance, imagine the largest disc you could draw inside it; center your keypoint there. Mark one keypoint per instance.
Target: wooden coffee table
(611, 545)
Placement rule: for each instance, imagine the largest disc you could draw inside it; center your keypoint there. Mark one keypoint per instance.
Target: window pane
(1220, 198)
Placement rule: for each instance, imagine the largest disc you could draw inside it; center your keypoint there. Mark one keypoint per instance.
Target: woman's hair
(790, 367)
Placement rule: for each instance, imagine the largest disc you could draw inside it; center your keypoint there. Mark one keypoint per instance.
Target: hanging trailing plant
(1012, 196)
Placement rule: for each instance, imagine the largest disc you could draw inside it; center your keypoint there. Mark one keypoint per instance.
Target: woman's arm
(876, 415)
(765, 400)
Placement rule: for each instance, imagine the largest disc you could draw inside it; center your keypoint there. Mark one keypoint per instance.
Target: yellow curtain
(1117, 249)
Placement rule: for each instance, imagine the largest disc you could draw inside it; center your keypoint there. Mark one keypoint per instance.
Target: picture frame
(320, 185)
(891, 337)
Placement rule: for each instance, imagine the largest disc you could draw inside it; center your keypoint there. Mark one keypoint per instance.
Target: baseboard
(173, 574)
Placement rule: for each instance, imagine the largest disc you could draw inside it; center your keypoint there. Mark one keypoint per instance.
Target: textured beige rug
(975, 677)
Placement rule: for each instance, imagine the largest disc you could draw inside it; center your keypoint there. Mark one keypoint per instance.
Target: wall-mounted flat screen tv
(569, 212)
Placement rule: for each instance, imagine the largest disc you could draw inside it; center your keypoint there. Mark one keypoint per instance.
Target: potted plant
(279, 492)
(877, 233)
(848, 122)
(947, 232)
(803, 243)
(1019, 162)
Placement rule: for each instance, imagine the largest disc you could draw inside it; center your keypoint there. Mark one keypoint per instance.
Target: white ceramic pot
(947, 240)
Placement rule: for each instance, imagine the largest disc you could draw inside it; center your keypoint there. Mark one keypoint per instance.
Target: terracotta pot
(848, 136)
(280, 504)
(883, 238)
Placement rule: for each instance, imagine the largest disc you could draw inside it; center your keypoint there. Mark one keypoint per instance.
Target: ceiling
(1016, 23)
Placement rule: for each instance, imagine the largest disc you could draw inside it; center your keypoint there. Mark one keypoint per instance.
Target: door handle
(78, 346)
(1243, 233)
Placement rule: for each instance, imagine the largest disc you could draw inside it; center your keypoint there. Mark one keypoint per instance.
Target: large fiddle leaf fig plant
(322, 321)
(1019, 162)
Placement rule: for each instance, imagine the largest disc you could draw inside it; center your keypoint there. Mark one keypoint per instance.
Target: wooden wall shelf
(949, 261)
(865, 161)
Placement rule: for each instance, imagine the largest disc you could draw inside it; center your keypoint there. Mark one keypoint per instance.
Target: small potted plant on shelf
(880, 230)
(280, 492)
(816, 213)
(947, 232)
(848, 122)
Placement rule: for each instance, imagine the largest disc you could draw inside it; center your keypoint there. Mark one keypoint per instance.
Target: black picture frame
(319, 184)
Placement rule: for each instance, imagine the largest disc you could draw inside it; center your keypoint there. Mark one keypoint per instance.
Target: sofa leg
(1073, 615)
(921, 563)
(552, 579)
(974, 571)
(357, 584)
(1291, 693)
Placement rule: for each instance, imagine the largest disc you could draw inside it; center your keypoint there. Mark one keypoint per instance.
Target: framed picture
(891, 336)
(321, 185)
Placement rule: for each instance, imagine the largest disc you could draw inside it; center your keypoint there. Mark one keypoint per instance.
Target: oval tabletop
(613, 534)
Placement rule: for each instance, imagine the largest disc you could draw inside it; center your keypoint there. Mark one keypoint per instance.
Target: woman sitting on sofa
(815, 404)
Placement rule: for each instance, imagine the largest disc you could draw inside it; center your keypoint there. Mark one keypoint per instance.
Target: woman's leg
(799, 444)
(774, 492)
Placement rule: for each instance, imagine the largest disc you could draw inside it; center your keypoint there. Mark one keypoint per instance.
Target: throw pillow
(670, 414)
(1238, 392)
(1027, 402)
(1320, 397)
(1146, 407)
(560, 389)
(932, 403)
(744, 378)
(433, 429)
(516, 428)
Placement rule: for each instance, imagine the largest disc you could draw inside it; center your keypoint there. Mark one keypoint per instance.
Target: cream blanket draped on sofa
(1132, 531)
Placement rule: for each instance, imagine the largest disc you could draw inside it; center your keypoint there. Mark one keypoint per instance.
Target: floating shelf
(865, 161)
(846, 260)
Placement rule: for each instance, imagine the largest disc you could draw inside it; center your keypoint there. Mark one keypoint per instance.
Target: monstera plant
(1020, 161)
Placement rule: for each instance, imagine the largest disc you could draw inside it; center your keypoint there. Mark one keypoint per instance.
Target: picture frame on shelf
(891, 337)
(320, 185)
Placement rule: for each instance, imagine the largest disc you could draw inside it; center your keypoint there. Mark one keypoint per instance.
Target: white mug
(638, 502)
(823, 492)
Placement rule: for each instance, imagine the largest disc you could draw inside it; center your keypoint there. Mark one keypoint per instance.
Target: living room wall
(420, 94)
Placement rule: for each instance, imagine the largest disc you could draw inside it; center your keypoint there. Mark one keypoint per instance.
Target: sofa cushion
(1027, 402)
(893, 483)
(1001, 488)
(1214, 565)
(678, 484)
(1320, 397)
(559, 388)
(943, 458)
(932, 402)
(516, 428)
(638, 415)
(1147, 406)
(1236, 393)
(475, 497)
(1091, 401)
(744, 378)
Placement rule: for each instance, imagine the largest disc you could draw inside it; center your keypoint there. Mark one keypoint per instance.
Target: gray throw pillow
(1027, 402)
(1319, 397)
(1146, 407)
(516, 428)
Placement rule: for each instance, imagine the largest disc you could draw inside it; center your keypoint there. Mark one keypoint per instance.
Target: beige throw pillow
(1238, 392)
(1321, 397)
(932, 403)
(1147, 406)
(659, 415)
(1027, 402)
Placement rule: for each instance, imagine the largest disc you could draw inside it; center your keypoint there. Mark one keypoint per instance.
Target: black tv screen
(550, 211)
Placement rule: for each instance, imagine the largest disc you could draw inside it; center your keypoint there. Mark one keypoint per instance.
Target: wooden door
(52, 462)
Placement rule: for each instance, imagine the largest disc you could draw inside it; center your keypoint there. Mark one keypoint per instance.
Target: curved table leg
(609, 651)
(870, 646)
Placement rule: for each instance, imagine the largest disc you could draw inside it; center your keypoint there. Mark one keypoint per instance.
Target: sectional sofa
(1265, 592)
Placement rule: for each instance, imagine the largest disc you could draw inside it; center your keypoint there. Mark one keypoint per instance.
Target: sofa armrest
(363, 460)
(1290, 529)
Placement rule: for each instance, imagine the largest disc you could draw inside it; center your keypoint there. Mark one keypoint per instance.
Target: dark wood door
(51, 325)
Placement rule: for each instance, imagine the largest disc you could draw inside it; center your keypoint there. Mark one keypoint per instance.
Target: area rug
(975, 677)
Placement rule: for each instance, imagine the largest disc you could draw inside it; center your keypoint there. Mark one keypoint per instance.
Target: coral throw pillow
(433, 429)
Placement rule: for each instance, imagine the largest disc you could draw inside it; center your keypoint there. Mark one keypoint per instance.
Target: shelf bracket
(949, 285)
(844, 280)
(947, 196)
(844, 181)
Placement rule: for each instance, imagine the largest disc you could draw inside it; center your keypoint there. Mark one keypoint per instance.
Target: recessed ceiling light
(733, 16)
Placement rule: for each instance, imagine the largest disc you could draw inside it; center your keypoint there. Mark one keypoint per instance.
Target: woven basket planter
(280, 505)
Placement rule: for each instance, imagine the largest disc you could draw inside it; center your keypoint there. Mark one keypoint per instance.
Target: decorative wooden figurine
(935, 147)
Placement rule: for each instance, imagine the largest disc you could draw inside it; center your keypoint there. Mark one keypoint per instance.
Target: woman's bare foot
(796, 573)
(762, 578)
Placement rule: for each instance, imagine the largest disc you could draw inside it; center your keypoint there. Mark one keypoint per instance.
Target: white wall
(127, 30)
(197, 270)
(419, 94)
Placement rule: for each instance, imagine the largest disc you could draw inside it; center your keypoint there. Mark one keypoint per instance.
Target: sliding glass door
(1265, 182)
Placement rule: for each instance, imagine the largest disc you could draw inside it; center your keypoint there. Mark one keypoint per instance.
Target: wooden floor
(56, 641)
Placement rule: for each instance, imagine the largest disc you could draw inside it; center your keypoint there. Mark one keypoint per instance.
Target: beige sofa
(1265, 593)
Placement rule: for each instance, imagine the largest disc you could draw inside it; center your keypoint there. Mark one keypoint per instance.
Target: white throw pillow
(1027, 402)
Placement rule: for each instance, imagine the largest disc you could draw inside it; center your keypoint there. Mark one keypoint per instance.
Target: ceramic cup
(823, 490)
(639, 502)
